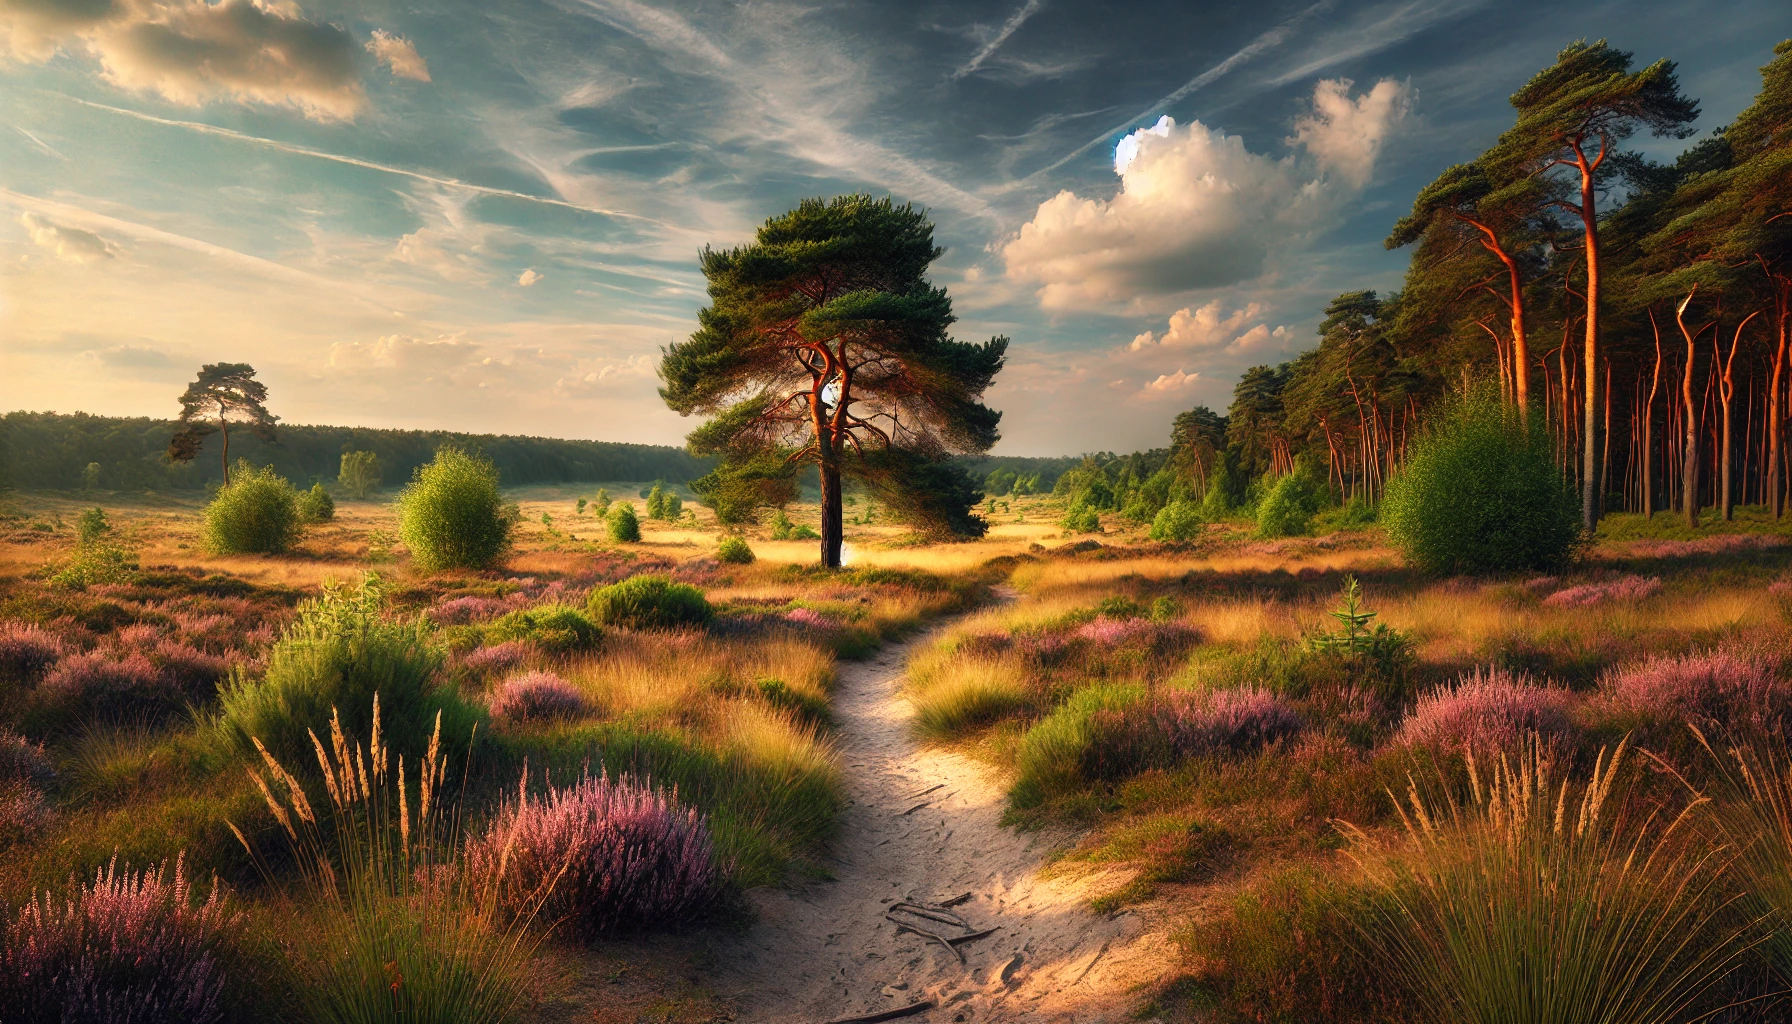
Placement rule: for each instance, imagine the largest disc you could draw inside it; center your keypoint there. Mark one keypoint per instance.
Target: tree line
(1635, 310)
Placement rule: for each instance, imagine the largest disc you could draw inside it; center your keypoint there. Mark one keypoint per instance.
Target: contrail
(39, 143)
(1274, 37)
(287, 147)
(1014, 22)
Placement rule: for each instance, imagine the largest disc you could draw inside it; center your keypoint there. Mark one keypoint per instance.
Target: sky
(486, 216)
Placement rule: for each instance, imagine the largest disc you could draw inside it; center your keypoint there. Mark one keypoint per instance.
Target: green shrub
(650, 602)
(671, 507)
(339, 653)
(1081, 518)
(1053, 753)
(624, 527)
(1227, 489)
(91, 525)
(1288, 509)
(95, 564)
(1179, 520)
(1480, 492)
(554, 628)
(804, 531)
(656, 502)
(257, 512)
(734, 551)
(316, 505)
(452, 514)
(781, 525)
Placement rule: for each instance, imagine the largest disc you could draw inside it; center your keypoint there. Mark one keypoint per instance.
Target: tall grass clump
(1754, 810)
(650, 602)
(963, 694)
(340, 652)
(256, 513)
(1537, 900)
(136, 946)
(614, 855)
(391, 926)
(1481, 492)
(1054, 754)
(452, 514)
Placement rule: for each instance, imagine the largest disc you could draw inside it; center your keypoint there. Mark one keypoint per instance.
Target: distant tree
(224, 393)
(1572, 116)
(360, 473)
(825, 343)
(90, 476)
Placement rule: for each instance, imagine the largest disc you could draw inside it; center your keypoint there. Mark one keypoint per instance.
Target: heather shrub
(553, 628)
(1720, 692)
(1486, 712)
(1056, 752)
(537, 697)
(734, 551)
(617, 855)
(316, 505)
(1224, 721)
(24, 815)
(256, 513)
(94, 686)
(1624, 588)
(650, 602)
(458, 611)
(23, 761)
(195, 673)
(1288, 509)
(452, 514)
(1480, 492)
(623, 524)
(1179, 520)
(338, 654)
(27, 651)
(496, 658)
(131, 946)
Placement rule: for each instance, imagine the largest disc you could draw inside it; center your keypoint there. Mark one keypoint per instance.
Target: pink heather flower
(497, 657)
(810, 618)
(214, 633)
(461, 610)
(1624, 588)
(1225, 720)
(129, 947)
(1715, 691)
(196, 672)
(27, 651)
(626, 856)
(536, 696)
(1487, 710)
(96, 684)
(23, 761)
(1723, 543)
(23, 815)
(140, 636)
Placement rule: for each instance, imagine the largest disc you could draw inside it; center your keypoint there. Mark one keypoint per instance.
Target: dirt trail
(923, 823)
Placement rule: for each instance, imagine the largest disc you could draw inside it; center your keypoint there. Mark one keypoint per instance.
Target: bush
(1481, 492)
(24, 761)
(804, 531)
(1179, 520)
(536, 697)
(1081, 518)
(1288, 509)
(130, 947)
(734, 551)
(93, 686)
(1716, 691)
(1487, 713)
(618, 855)
(452, 514)
(781, 525)
(624, 527)
(497, 657)
(554, 628)
(1053, 754)
(1225, 721)
(91, 525)
(316, 505)
(256, 513)
(650, 602)
(93, 565)
(27, 651)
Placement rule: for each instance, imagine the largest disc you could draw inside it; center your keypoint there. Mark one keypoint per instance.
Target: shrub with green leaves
(624, 526)
(1288, 509)
(554, 628)
(650, 602)
(734, 551)
(1179, 520)
(257, 512)
(91, 525)
(781, 525)
(316, 505)
(1481, 492)
(452, 514)
(1053, 754)
(1081, 518)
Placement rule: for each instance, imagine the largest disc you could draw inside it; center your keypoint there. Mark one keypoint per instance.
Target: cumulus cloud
(1345, 135)
(1171, 383)
(73, 244)
(33, 30)
(403, 352)
(397, 54)
(1202, 328)
(529, 277)
(1196, 209)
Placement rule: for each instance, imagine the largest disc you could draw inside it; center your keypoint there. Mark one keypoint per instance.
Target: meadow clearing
(1176, 780)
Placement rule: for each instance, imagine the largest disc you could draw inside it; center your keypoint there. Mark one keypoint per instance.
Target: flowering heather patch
(97, 685)
(497, 657)
(27, 651)
(139, 636)
(626, 856)
(810, 619)
(537, 696)
(1721, 544)
(1716, 691)
(1220, 720)
(459, 611)
(194, 671)
(208, 631)
(1624, 588)
(1487, 710)
(23, 761)
(131, 947)
(1141, 638)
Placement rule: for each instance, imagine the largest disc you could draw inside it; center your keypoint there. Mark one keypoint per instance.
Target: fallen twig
(928, 790)
(902, 925)
(943, 917)
(963, 897)
(915, 808)
(883, 1015)
(984, 934)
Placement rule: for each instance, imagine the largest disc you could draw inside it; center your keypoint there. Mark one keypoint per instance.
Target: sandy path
(824, 950)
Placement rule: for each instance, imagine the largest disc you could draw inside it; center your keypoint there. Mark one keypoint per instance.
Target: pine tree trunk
(1775, 496)
(224, 425)
(1689, 469)
(1589, 483)
(833, 523)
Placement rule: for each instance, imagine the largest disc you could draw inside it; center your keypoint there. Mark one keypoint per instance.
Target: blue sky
(485, 216)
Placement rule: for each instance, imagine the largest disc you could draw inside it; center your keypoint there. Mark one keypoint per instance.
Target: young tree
(224, 393)
(359, 472)
(1572, 116)
(825, 343)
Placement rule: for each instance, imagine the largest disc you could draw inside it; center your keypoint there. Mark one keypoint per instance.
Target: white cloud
(75, 245)
(1201, 328)
(529, 277)
(1170, 383)
(1345, 135)
(1196, 209)
(1015, 21)
(397, 54)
